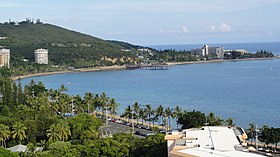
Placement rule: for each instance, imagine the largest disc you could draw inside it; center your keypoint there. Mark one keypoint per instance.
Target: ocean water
(250, 47)
(247, 91)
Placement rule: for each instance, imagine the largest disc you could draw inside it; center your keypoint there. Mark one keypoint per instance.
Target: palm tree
(19, 131)
(159, 113)
(177, 113)
(136, 109)
(63, 130)
(229, 122)
(148, 112)
(5, 134)
(31, 150)
(127, 112)
(103, 102)
(250, 131)
(213, 120)
(88, 100)
(169, 113)
(52, 133)
(80, 107)
(113, 107)
(142, 114)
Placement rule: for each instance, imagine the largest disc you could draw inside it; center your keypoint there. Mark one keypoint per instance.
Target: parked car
(162, 131)
(113, 120)
(149, 134)
(148, 128)
(139, 133)
(119, 121)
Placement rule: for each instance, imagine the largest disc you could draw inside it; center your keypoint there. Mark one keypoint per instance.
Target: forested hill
(66, 47)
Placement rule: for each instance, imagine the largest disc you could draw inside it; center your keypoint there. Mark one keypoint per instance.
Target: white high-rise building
(41, 56)
(5, 58)
(218, 52)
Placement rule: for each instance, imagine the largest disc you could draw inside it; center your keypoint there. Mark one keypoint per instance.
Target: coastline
(108, 68)
(220, 61)
(117, 67)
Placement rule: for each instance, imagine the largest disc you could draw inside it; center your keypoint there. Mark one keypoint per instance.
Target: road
(114, 128)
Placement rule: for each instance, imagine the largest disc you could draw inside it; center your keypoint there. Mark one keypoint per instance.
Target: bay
(247, 91)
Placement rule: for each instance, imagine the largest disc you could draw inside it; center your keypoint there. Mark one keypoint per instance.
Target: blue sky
(156, 22)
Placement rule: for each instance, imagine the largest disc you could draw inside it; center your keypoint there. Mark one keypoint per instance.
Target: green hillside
(65, 47)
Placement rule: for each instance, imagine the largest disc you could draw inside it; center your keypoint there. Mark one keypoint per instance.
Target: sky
(156, 22)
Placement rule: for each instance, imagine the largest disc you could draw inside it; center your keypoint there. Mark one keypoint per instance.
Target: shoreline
(220, 61)
(109, 68)
(117, 67)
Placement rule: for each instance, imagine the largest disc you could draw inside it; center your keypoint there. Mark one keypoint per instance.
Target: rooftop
(210, 141)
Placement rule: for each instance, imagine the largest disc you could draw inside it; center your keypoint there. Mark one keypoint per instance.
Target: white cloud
(223, 27)
(185, 29)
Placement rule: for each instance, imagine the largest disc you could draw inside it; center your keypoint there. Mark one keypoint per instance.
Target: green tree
(83, 124)
(103, 104)
(88, 100)
(159, 113)
(142, 114)
(192, 119)
(148, 111)
(7, 153)
(168, 113)
(250, 131)
(63, 149)
(113, 106)
(229, 122)
(213, 120)
(177, 112)
(136, 109)
(127, 112)
(63, 130)
(19, 131)
(53, 133)
(5, 134)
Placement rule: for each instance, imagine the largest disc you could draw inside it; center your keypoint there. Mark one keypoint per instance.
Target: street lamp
(106, 118)
(72, 105)
(132, 122)
(206, 121)
(257, 131)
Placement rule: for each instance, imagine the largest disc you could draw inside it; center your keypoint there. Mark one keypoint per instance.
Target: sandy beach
(108, 68)
(117, 67)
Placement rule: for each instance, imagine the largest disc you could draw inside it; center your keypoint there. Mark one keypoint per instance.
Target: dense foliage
(36, 117)
(65, 47)
(259, 54)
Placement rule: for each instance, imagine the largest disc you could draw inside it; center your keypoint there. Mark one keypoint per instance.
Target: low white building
(5, 58)
(41, 56)
(209, 141)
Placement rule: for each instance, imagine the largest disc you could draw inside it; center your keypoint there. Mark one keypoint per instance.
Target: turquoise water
(247, 91)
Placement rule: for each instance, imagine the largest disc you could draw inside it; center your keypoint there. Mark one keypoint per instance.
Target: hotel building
(41, 56)
(207, 50)
(5, 58)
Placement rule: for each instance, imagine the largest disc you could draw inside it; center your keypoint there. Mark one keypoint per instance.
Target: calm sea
(247, 91)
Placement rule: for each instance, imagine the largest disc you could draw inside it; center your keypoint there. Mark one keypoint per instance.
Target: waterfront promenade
(116, 117)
